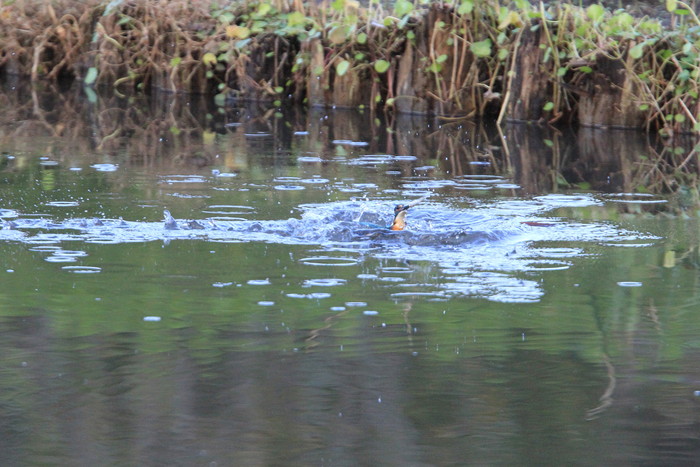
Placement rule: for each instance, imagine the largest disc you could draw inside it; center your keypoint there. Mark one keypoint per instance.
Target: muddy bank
(472, 58)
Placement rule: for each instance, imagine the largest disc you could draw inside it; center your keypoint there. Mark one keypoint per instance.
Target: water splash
(490, 250)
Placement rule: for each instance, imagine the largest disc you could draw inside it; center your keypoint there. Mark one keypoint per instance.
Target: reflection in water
(520, 318)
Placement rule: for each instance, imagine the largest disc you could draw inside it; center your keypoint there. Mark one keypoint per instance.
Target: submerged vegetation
(464, 58)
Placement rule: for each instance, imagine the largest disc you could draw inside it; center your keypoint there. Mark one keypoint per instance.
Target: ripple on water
(46, 248)
(309, 159)
(377, 159)
(329, 261)
(367, 276)
(559, 200)
(82, 269)
(428, 184)
(481, 178)
(634, 198)
(289, 187)
(412, 295)
(314, 181)
(547, 266)
(396, 269)
(8, 213)
(312, 295)
(172, 179)
(347, 142)
(105, 167)
(228, 209)
(391, 279)
(629, 284)
(259, 282)
(60, 259)
(62, 204)
(323, 282)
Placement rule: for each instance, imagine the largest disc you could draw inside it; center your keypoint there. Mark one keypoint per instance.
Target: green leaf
(671, 5)
(441, 58)
(465, 7)
(295, 19)
(637, 51)
(209, 59)
(226, 17)
(91, 76)
(338, 5)
(561, 71)
(175, 61)
(279, 89)
(548, 106)
(434, 68)
(362, 38)
(264, 9)
(91, 95)
(586, 69)
(643, 107)
(220, 99)
(595, 12)
(548, 142)
(482, 48)
(402, 8)
(380, 66)
(338, 34)
(342, 67)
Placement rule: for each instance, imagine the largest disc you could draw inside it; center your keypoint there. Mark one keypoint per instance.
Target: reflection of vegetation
(193, 132)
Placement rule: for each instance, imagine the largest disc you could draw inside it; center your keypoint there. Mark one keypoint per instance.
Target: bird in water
(399, 222)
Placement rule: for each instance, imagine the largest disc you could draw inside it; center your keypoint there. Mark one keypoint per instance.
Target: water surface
(273, 320)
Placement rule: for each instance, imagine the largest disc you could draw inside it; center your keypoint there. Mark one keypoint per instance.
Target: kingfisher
(399, 222)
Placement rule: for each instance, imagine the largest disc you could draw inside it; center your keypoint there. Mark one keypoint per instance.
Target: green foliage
(381, 66)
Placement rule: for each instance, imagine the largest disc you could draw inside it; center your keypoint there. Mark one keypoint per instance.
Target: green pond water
(533, 313)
